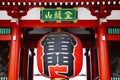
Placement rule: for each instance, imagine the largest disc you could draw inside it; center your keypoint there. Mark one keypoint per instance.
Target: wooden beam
(113, 23)
(113, 37)
(5, 23)
(5, 37)
(79, 24)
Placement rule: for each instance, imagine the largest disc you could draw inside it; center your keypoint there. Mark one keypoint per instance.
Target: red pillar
(103, 57)
(13, 71)
(24, 71)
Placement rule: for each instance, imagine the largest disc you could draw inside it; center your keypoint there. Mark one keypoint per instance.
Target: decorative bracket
(100, 11)
(17, 12)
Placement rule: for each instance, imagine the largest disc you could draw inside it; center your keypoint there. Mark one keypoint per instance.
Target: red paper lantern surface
(59, 55)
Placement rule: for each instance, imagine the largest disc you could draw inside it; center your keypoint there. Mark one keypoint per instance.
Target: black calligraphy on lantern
(58, 50)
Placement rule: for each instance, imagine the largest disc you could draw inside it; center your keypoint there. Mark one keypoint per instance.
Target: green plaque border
(58, 8)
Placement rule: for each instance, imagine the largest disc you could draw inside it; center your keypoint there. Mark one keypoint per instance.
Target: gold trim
(42, 21)
(75, 21)
(75, 8)
(58, 8)
(42, 8)
(58, 21)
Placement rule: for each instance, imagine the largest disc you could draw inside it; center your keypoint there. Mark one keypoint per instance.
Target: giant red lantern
(59, 55)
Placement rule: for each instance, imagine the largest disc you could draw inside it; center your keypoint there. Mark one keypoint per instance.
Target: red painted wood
(103, 58)
(113, 23)
(5, 23)
(79, 24)
(5, 37)
(13, 71)
(113, 37)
